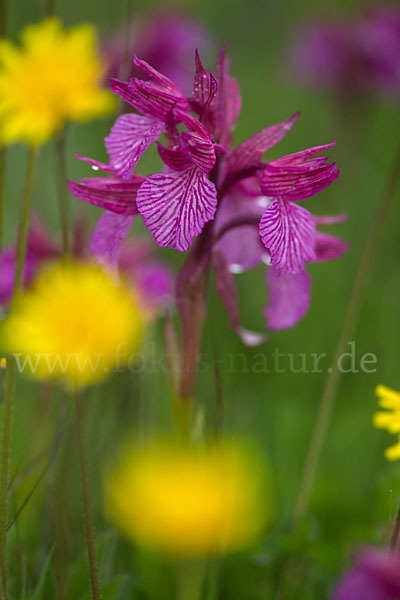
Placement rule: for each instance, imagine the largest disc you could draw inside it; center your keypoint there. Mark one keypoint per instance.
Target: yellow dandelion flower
(189, 501)
(53, 78)
(75, 322)
(389, 419)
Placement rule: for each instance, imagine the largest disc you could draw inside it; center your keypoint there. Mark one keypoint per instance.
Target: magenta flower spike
(242, 209)
(376, 576)
(352, 56)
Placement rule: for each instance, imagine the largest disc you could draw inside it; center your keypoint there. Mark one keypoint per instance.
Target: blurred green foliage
(356, 492)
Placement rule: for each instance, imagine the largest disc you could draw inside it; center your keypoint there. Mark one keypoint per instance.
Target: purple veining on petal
(329, 247)
(298, 176)
(173, 157)
(176, 205)
(289, 298)
(161, 79)
(288, 232)
(248, 154)
(227, 291)
(130, 137)
(108, 237)
(205, 88)
(108, 193)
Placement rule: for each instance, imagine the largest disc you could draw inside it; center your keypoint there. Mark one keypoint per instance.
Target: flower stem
(8, 397)
(2, 188)
(91, 547)
(394, 538)
(191, 578)
(62, 189)
(4, 475)
(24, 222)
(348, 326)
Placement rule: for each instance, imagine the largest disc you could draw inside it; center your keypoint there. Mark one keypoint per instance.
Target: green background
(356, 491)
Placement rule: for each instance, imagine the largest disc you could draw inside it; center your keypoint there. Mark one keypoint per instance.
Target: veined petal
(289, 298)
(227, 290)
(248, 154)
(96, 165)
(108, 193)
(288, 232)
(204, 87)
(108, 237)
(298, 176)
(129, 139)
(164, 81)
(199, 150)
(174, 157)
(329, 247)
(176, 205)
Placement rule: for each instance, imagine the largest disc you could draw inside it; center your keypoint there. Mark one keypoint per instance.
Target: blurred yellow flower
(54, 77)
(390, 419)
(186, 500)
(75, 322)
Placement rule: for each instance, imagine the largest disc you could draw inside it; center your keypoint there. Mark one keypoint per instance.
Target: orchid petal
(288, 232)
(227, 291)
(95, 164)
(108, 193)
(176, 205)
(298, 176)
(129, 139)
(329, 247)
(108, 237)
(289, 298)
(249, 153)
(174, 157)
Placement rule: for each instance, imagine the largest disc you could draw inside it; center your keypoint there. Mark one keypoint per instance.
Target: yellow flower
(188, 501)
(390, 419)
(75, 322)
(54, 77)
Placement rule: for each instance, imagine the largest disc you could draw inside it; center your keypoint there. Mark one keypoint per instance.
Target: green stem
(62, 189)
(348, 326)
(91, 547)
(2, 188)
(24, 222)
(4, 474)
(394, 538)
(8, 397)
(3, 18)
(50, 8)
(191, 579)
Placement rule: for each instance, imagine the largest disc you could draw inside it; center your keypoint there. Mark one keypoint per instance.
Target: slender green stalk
(50, 8)
(348, 326)
(191, 579)
(3, 18)
(394, 538)
(3, 34)
(8, 397)
(2, 188)
(63, 196)
(4, 475)
(24, 222)
(91, 547)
